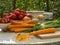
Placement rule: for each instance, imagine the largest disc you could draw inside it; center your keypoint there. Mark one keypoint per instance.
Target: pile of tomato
(16, 14)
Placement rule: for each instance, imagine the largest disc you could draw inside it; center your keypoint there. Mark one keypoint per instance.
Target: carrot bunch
(20, 26)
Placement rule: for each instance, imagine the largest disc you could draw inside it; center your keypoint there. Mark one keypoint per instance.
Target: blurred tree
(56, 9)
(14, 4)
(6, 6)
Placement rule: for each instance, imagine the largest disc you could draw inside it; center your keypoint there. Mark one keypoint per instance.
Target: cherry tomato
(5, 14)
(13, 16)
(16, 12)
(2, 21)
(29, 15)
(4, 30)
(20, 17)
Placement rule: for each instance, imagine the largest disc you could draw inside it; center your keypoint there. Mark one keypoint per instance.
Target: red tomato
(13, 16)
(5, 14)
(4, 30)
(2, 21)
(5, 20)
(16, 12)
(6, 17)
(20, 17)
(29, 15)
(10, 20)
(22, 11)
(19, 12)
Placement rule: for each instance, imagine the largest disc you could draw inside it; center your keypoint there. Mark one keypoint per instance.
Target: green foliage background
(7, 5)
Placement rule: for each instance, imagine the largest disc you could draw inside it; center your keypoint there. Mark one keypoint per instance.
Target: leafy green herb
(35, 28)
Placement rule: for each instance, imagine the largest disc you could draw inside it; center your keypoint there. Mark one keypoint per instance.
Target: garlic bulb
(40, 17)
(35, 21)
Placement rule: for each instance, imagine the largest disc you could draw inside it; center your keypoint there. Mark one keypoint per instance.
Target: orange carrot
(32, 22)
(23, 22)
(17, 22)
(21, 26)
(44, 31)
(19, 29)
